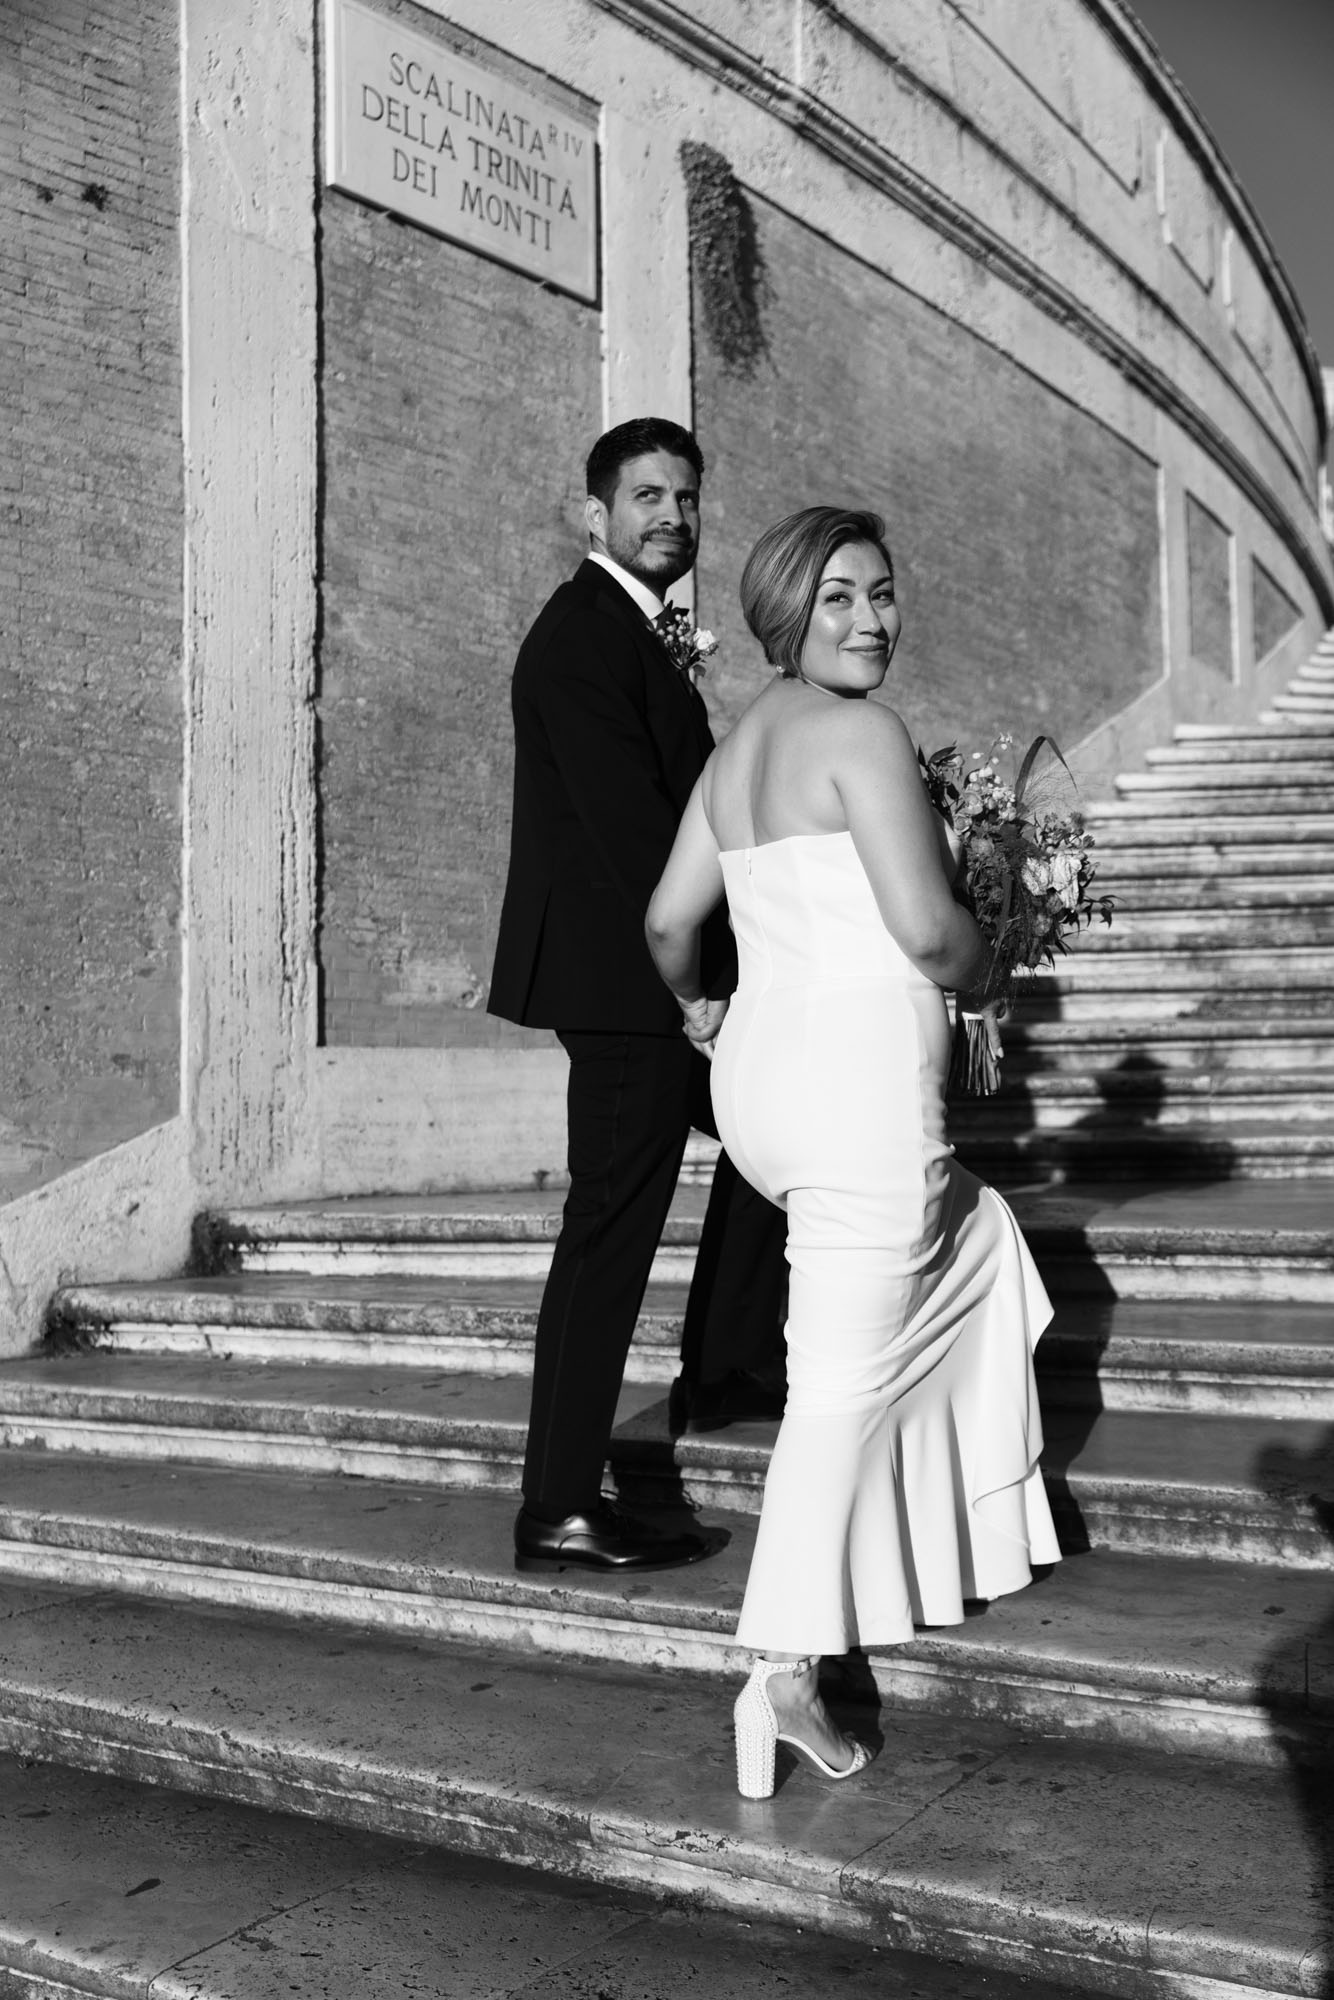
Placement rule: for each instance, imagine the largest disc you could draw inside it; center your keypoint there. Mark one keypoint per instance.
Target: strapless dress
(905, 1477)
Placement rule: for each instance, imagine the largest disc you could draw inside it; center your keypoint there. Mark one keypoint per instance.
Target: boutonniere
(688, 645)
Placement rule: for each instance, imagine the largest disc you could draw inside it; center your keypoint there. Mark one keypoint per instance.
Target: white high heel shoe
(758, 1734)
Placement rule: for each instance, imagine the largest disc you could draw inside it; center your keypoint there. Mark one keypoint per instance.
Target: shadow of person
(1121, 1143)
(1127, 1135)
(1295, 1684)
(1136, 1093)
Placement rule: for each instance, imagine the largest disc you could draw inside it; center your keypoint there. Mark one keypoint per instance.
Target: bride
(904, 1479)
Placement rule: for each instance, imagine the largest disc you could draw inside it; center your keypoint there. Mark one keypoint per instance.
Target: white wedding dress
(905, 1477)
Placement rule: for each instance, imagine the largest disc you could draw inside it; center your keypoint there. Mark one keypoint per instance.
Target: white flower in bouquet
(1064, 871)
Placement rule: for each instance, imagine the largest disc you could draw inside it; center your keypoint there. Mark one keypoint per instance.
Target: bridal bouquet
(1026, 875)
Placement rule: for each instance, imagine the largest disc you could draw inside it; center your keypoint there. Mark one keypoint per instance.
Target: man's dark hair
(617, 447)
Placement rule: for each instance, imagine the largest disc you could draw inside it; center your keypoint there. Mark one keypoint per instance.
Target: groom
(609, 738)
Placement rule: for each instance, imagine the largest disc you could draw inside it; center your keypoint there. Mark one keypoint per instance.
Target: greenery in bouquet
(1026, 874)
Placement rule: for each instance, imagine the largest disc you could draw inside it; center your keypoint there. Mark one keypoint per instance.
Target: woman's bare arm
(898, 839)
(690, 888)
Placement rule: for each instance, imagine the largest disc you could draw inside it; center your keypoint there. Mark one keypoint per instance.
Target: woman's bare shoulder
(870, 728)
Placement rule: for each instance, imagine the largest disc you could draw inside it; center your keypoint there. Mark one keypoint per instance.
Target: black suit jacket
(609, 739)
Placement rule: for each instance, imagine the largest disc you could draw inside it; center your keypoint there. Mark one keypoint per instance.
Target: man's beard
(657, 574)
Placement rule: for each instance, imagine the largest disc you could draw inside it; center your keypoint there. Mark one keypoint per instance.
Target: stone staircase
(254, 1522)
(1192, 1039)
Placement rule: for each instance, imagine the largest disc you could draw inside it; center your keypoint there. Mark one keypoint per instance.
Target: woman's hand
(702, 1020)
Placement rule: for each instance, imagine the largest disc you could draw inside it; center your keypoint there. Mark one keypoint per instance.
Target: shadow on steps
(1301, 1664)
(1126, 1136)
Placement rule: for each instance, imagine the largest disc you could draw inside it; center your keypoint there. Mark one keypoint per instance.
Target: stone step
(1258, 1041)
(1121, 864)
(1149, 1022)
(1200, 965)
(446, 1323)
(1215, 1241)
(1224, 1359)
(1235, 900)
(1318, 705)
(1240, 1049)
(1158, 1240)
(1150, 1098)
(1240, 993)
(1268, 1354)
(1268, 728)
(1203, 929)
(965, 1839)
(1117, 823)
(1147, 1011)
(1137, 1074)
(1172, 798)
(1274, 718)
(1156, 1648)
(393, 1424)
(1260, 748)
(1134, 1479)
(1284, 784)
(1123, 1148)
(129, 1889)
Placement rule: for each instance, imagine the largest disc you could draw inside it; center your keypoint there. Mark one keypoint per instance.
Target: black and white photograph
(666, 1000)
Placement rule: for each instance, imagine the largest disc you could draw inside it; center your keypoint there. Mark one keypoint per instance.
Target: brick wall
(459, 401)
(1024, 533)
(90, 573)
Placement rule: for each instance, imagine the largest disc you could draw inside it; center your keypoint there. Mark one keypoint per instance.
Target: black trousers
(632, 1102)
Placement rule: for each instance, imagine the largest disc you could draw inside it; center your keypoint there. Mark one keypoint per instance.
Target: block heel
(758, 1734)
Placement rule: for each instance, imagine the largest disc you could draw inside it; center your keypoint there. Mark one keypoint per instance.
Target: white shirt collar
(648, 600)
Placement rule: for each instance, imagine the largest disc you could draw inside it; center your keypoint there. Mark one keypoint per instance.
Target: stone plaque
(463, 150)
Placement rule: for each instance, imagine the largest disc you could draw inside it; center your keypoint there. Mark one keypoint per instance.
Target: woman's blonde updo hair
(783, 571)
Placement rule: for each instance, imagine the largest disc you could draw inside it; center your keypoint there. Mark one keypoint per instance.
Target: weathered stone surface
(140, 1894)
(109, 1886)
(960, 1835)
(90, 558)
(1009, 1850)
(1156, 1220)
(1141, 1647)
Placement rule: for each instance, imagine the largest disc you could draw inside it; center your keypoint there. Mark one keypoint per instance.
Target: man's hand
(702, 1020)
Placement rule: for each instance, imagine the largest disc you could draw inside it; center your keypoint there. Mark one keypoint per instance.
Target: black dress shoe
(738, 1398)
(604, 1538)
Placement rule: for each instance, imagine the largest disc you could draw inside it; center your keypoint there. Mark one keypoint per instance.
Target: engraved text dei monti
(466, 152)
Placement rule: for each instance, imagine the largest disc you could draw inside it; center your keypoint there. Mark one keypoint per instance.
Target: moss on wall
(731, 283)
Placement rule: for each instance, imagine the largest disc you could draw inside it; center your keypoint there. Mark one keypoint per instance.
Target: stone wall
(1023, 531)
(998, 286)
(452, 489)
(90, 567)
(998, 281)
